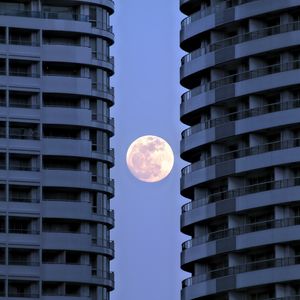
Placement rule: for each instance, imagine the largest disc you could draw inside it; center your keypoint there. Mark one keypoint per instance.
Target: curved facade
(242, 72)
(55, 155)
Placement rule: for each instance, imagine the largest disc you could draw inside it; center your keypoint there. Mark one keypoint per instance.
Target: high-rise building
(55, 155)
(242, 71)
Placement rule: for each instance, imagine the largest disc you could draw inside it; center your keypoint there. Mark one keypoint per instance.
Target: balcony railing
(23, 295)
(103, 180)
(214, 160)
(240, 115)
(269, 70)
(45, 15)
(103, 119)
(23, 134)
(103, 243)
(249, 267)
(212, 9)
(241, 38)
(24, 74)
(70, 137)
(58, 74)
(24, 42)
(23, 262)
(103, 212)
(247, 228)
(23, 105)
(65, 231)
(24, 168)
(23, 199)
(101, 25)
(246, 190)
(103, 274)
(102, 57)
(110, 152)
(103, 89)
(23, 231)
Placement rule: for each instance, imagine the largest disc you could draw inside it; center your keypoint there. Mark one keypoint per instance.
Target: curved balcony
(59, 83)
(64, 272)
(75, 117)
(45, 15)
(104, 61)
(248, 228)
(249, 267)
(239, 77)
(207, 19)
(247, 190)
(105, 216)
(22, 295)
(241, 38)
(62, 296)
(206, 11)
(240, 115)
(109, 4)
(104, 155)
(80, 210)
(106, 247)
(104, 184)
(65, 240)
(232, 155)
(106, 93)
(105, 123)
(104, 278)
(66, 146)
(72, 53)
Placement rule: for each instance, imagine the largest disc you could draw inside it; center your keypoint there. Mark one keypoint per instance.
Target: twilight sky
(147, 231)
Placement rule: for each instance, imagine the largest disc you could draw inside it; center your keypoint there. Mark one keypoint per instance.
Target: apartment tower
(242, 72)
(55, 156)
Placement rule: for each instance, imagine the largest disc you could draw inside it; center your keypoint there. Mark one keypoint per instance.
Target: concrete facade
(55, 155)
(242, 72)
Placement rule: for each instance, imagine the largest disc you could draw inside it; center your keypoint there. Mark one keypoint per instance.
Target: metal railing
(45, 15)
(247, 228)
(103, 89)
(102, 57)
(110, 152)
(103, 274)
(24, 42)
(260, 72)
(246, 190)
(206, 11)
(241, 38)
(23, 199)
(101, 25)
(23, 231)
(65, 231)
(55, 137)
(240, 115)
(24, 74)
(19, 104)
(24, 168)
(103, 180)
(103, 243)
(70, 75)
(248, 267)
(23, 294)
(103, 119)
(23, 262)
(24, 134)
(103, 212)
(214, 160)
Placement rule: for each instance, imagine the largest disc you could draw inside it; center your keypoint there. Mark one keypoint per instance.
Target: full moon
(150, 158)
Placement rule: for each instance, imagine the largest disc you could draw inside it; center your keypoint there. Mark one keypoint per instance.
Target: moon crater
(150, 158)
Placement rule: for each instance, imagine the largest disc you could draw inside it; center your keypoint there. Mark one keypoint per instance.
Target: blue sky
(147, 231)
